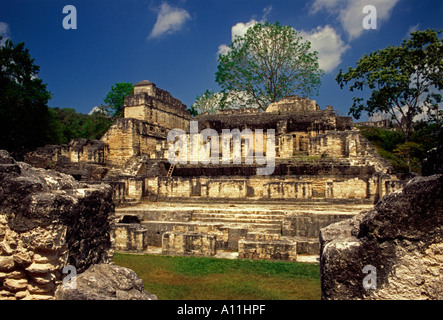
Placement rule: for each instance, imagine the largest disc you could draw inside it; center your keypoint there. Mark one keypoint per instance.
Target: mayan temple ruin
(321, 171)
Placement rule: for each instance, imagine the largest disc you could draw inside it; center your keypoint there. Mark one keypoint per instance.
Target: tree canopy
(210, 101)
(24, 115)
(404, 81)
(66, 124)
(268, 63)
(116, 97)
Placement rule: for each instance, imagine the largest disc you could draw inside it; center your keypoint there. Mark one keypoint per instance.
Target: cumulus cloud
(329, 45)
(240, 29)
(325, 40)
(169, 20)
(350, 13)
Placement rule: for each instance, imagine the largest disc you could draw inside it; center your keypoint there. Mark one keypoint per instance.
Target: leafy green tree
(404, 81)
(268, 63)
(98, 123)
(193, 111)
(116, 97)
(66, 124)
(24, 115)
(410, 152)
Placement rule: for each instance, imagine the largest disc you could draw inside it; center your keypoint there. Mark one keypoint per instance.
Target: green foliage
(208, 101)
(24, 115)
(193, 111)
(405, 156)
(410, 152)
(404, 81)
(116, 97)
(66, 124)
(268, 63)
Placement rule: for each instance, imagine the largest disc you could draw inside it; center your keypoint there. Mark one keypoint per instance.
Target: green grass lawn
(201, 278)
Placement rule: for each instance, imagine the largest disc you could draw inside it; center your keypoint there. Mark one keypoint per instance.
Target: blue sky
(175, 43)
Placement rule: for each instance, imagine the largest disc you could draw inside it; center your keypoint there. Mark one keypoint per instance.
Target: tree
(268, 63)
(206, 102)
(409, 152)
(24, 115)
(404, 81)
(66, 124)
(210, 101)
(116, 97)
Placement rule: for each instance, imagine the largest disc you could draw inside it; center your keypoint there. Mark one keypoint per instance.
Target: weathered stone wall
(156, 106)
(267, 188)
(78, 150)
(291, 104)
(131, 137)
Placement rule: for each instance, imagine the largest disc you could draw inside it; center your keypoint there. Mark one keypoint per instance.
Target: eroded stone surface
(105, 282)
(402, 237)
(48, 220)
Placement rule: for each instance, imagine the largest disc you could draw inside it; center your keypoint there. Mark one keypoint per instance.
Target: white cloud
(412, 29)
(169, 20)
(240, 29)
(329, 45)
(350, 13)
(266, 13)
(4, 32)
(223, 49)
(325, 40)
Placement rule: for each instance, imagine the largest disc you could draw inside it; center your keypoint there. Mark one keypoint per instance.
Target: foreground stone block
(400, 241)
(48, 220)
(106, 282)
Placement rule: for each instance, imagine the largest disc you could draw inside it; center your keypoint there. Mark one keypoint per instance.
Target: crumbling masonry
(324, 171)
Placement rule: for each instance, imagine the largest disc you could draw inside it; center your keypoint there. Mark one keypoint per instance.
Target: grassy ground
(200, 278)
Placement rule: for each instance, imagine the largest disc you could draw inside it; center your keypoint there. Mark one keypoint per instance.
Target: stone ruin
(324, 171)
(53, 228)
(393, 251)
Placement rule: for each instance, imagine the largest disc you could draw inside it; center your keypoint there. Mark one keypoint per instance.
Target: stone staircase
(254, 231)
(254, 221)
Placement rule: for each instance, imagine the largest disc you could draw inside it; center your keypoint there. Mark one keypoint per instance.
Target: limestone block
(44, 278)
(189, 243)
(106, 282)
(36, 288)
(6, 263)
(41, 268)
(21, 294)
(22, 258)
(130, 237)
(15, 284)
(269, 250)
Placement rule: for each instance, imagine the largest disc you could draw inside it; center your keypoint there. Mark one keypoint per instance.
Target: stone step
(238, 216)
(238, 220)
(306, 245)
(241, 211)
